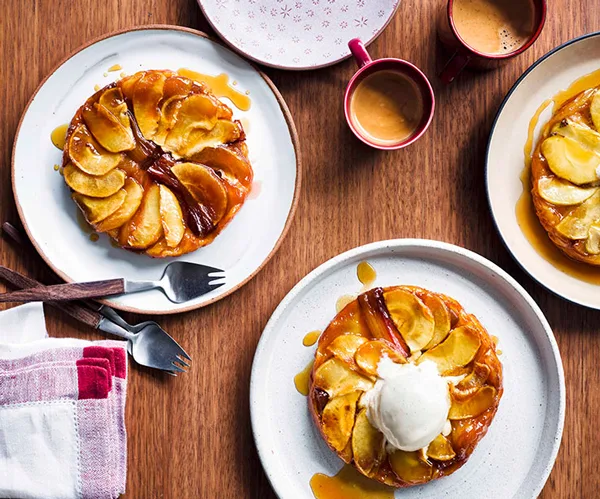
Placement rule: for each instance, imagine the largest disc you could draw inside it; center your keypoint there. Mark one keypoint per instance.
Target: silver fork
(148, 343)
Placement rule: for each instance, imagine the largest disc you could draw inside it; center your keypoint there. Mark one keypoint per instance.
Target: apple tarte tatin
(156, 161)
(565, 177)
(405, 384)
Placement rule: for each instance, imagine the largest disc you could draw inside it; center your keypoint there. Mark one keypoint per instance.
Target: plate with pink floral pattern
(297, 34)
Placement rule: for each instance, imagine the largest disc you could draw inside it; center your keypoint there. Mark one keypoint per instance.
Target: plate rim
(293, 68)
(400, 244)
(290, 124)
(529, 70)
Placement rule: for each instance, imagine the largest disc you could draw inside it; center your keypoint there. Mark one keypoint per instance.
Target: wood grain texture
(190, 437)
(64, 292)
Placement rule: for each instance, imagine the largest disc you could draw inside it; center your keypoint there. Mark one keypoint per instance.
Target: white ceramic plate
(297, 34)
(50, 216)
(505, 160)
(514, 459)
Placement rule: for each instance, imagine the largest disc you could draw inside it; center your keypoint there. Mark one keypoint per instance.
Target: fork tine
(178, 369)
(171, 373)
(182, 362)
(209, 270)
(214, 285)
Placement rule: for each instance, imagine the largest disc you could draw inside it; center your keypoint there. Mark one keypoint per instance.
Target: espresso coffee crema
(494, 26)
(386, 107)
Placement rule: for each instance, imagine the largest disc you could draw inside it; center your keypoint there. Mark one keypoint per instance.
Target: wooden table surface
(190, 437)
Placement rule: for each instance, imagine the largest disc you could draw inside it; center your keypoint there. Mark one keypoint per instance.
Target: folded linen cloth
(62, 421)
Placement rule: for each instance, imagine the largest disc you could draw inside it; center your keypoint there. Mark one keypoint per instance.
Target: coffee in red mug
(389, 103)
(484, 33)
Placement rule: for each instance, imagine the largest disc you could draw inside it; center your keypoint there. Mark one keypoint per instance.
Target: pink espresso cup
(462, 55)
(367, 67)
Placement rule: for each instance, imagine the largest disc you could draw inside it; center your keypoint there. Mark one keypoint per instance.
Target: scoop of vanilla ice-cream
(409, 403)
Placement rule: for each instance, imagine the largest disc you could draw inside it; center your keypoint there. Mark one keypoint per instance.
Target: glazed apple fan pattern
(406, 324)
(565, 176)
(157, 162)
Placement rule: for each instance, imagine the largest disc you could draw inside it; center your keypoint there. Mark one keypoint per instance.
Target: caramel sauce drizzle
(302, 379)
(348, 484)
(366, 273)
(524, 209)
(219, 85)
(311, 338)
(59, 136)
(115, 67)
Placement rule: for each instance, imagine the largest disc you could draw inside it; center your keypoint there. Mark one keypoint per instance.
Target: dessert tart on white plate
(405, 384)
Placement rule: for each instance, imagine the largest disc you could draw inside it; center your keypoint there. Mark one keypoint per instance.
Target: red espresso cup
(463, 55)
(369, 67)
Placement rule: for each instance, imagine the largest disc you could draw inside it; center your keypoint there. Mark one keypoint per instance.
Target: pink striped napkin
(62, 416)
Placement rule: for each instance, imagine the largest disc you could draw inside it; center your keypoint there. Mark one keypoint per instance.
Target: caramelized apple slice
(369, 355)
(577, 223)
(441, 318)
(172, 217)
(595, 110)
(337, 419)
(441, 449)
(471, 383)
(93, 185)
(344, 347)
(563, 193)
(223, 132)
(474, 406)
(412, 318)
(233, 165)
(368, 444)
(592, 245)
(457, 350)
(205, 186)
(570, 160)
(378, 320)
(336, 378)
(147, 94)
(409, 468)
(128, 84)
(107, 129)
(97, 209)
(88, 155)
(126, 210)
(146, 226)
(196, 112)
(583, 134)
(113, 100)
(174, 91)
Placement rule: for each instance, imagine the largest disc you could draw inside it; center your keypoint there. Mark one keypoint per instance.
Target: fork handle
(75, 310)
(62, 292)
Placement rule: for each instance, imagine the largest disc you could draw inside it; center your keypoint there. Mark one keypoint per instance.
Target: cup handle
(359, 52)
(455, 65)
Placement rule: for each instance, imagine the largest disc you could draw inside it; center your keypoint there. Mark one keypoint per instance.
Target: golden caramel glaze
(482, 373)
(184, 163)
(577, 110)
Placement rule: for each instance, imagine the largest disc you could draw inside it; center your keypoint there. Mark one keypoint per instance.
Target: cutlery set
(148, 343)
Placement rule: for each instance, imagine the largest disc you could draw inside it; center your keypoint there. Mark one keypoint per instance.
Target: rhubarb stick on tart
(157, 162)
(565, 176)
(404, 385)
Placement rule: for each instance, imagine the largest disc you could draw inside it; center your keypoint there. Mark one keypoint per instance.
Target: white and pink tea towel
(62, 412)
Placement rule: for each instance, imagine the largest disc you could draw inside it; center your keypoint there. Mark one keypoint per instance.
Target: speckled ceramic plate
(50, 216)
(516, 456)
(505, 159)
(297, 34)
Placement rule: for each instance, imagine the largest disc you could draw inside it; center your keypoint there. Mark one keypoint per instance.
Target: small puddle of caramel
(219, 85)
(348, 484)
(302, 379)
(115, 67)
(311, 338)
(366, 273)
(59, 136)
